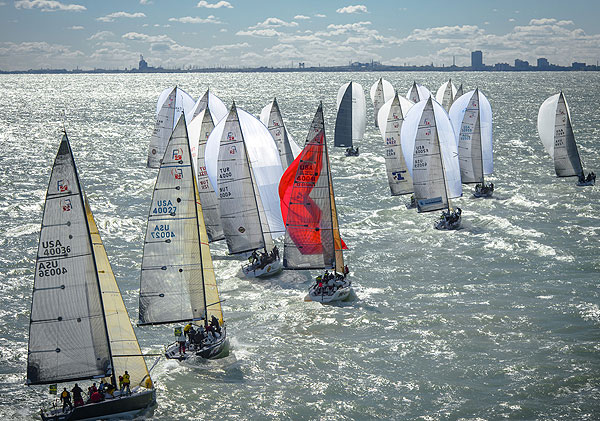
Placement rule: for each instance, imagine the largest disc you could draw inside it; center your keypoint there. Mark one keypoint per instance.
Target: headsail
(381, 92)
(199, 130)
(271, 117)
(429, 146)
(312, 237)
(391, 117)
(471, 116)
(68, 338)
(351, 116)
(171, 288)
(446, 94)
(124, 345)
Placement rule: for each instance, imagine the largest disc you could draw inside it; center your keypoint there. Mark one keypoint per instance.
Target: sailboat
(381, 92)
(271, 117)
(471, 116)
(244, 167)
(79, 328)
(446, 94)
(556, 133)
(217, 108)
(172, 102)
(417, 93)
(351, 117)
(177, 283)
(312, 238)
(391, 116)
(429, 146)
(459, 92)
(199, 130)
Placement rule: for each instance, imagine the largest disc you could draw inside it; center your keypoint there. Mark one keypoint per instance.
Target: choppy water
(498, 320)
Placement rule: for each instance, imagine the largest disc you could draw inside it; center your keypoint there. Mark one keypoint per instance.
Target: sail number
(164, 207)
(201, 171)
(390, 152)
(421, 149)
(203, 185)
(162, 231)
(54, 248)
(306, 175)
(51, 269)
(390, 141)
(224, 192)
(224, 172)
(419, 163)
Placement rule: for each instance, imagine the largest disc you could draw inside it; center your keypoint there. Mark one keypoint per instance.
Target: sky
(112, 34)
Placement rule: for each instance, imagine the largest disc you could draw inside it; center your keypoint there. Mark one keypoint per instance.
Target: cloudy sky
(207, 33)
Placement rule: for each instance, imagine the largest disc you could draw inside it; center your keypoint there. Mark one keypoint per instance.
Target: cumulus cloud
(320, 15)
(259, 33)
(216, 5)
(359, 8)
(101, 35)
(145, 2)
(75, 27)
(301, 17)
(273, 23)
(550, 21)
(190, 19)
(48, 5)
(112, 16)
(136, 36)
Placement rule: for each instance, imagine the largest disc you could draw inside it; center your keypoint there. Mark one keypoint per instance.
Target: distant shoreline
(380, 68)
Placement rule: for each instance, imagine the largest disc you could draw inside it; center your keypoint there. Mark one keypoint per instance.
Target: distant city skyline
(86, 34)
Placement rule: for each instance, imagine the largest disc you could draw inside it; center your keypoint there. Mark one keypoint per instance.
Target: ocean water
(499, 320)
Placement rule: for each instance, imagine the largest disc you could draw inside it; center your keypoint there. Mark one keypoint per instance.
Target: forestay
(351, 116)
(124, 345)
(556, 134)
(391, 117)
(312, 239)
(264, 160)
(242, 214)
(417, 93)
(381, 92)
(446, 94)
(471, 116)
(172, 102)
(171, 287)
(199, 130)
(429, 146)
(68, 338)
(271, 117)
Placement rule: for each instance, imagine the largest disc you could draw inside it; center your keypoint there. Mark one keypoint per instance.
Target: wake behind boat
(71, 254)
(177, 282)
(312, 238)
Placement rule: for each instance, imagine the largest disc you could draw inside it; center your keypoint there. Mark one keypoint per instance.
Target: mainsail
(264, 160)
(217, 108)
(429, 146)
(556, 133)
(172, 102)
(68, 338)
(459, 92)
(471, 115)
(271, 117)
(312, 239)
(173, 270)
(417, 93)
(242, 214)
(391, 116)
(199, 130)
(446, 94)
(381, 92)
(351, 120)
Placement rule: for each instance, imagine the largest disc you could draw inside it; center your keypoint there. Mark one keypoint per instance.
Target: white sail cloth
(217, 108)
(381, 92)
(457, 116)
(271, 117)
(351, 117)
(446, 94)
(417, 93)
(447, 141)
(264, 159)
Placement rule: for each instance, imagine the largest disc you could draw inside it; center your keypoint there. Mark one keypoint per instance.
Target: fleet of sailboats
(79, 328)
(556, 133)
(177, 283)
(351, 117)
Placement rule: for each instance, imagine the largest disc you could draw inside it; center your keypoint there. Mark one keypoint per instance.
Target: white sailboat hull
(447, 225)
(217, 349)
(339, 294)
(270, 269)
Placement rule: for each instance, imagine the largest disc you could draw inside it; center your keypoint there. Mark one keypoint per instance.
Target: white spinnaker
(446, 94)
(198, 131)
(381, 92)
(546, 123)
(183, 102)
(271, 117)
(357, 109)
(447, 141)
(391, 117)
(461, 121)
(417, 93)
(265, 162)
(218, 109)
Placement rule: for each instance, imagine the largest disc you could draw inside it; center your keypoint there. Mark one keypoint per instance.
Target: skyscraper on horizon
(477, 59)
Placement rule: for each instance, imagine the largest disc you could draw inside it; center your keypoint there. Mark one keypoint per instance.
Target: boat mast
(89, 237)
(437, 136)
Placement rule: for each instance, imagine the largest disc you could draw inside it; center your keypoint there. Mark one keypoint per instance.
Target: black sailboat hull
(120, 407)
